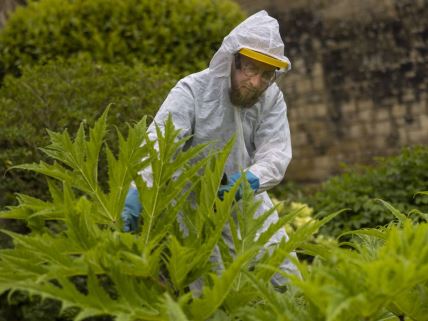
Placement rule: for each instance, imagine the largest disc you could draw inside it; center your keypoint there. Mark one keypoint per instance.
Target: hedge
(395, 179)
(180, 33)
(60, 95)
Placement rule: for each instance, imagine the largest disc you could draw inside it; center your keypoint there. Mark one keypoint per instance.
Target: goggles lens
(250, 69)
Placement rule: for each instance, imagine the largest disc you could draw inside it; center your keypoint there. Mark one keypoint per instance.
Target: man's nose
(256, 80)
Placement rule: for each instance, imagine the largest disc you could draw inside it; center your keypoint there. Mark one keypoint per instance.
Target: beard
(244, 96)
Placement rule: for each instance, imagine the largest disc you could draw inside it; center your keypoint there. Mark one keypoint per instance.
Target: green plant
(290, 191)
(395, 179)
(380, 273)
(59, 95)
(86, 262)
(183, 34)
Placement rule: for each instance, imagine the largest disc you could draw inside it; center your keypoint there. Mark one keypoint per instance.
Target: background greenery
(60, 95)
(395, 179)
(181, 34)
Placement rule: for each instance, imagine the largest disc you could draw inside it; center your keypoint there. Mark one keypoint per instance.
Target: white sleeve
(180, 103)
(272, 145)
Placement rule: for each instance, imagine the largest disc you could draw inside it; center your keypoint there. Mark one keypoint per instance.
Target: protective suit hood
(259, 32)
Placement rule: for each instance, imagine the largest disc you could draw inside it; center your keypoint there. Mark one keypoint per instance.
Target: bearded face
(249, 79)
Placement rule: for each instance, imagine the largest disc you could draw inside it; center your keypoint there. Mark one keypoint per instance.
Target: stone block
(400, 121)
(311, 172)
(317, 83)
(382, 114)
(323, 162)
(383, 128)
(304, 85)
(418, 136)
(398, 110)
(409, 96)
(349, 108)
(403, 136)
(315, 97)
(320, 128)
(293, 115)
(356, 131)
(423, 122)
(299, 139)
(321, 110)
(365, 115)
(303, 152)
(379, 142)
(369, 129)
(363, 105)
(317, 71)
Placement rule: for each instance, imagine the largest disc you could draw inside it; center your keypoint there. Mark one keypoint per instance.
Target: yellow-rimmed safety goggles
(263, 58)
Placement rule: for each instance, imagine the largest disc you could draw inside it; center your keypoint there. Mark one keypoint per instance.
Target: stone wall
(358, 87)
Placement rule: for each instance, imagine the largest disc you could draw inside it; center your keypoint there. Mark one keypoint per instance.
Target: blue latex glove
(251, 178)
(131, 212)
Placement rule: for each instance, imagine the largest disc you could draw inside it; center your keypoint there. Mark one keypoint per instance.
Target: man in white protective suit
(236, 95)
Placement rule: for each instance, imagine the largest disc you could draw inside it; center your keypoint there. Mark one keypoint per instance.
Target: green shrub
(180, 33)
(87, 262)
(380, 275)
(89, 265)
(394, 179)
(61, 94)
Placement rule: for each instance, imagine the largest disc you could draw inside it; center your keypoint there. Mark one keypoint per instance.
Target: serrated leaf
(212, 297)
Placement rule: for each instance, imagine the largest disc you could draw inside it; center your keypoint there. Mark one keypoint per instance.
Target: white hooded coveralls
(200, 106)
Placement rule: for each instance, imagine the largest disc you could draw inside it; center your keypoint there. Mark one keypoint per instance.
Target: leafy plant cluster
(395, 179)
(149, 272)
(59, 95)
(376, 276)
(94, 269)
(181, 34)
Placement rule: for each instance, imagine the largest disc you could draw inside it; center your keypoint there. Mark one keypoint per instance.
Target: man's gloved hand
(251, 178)
(131, 212)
